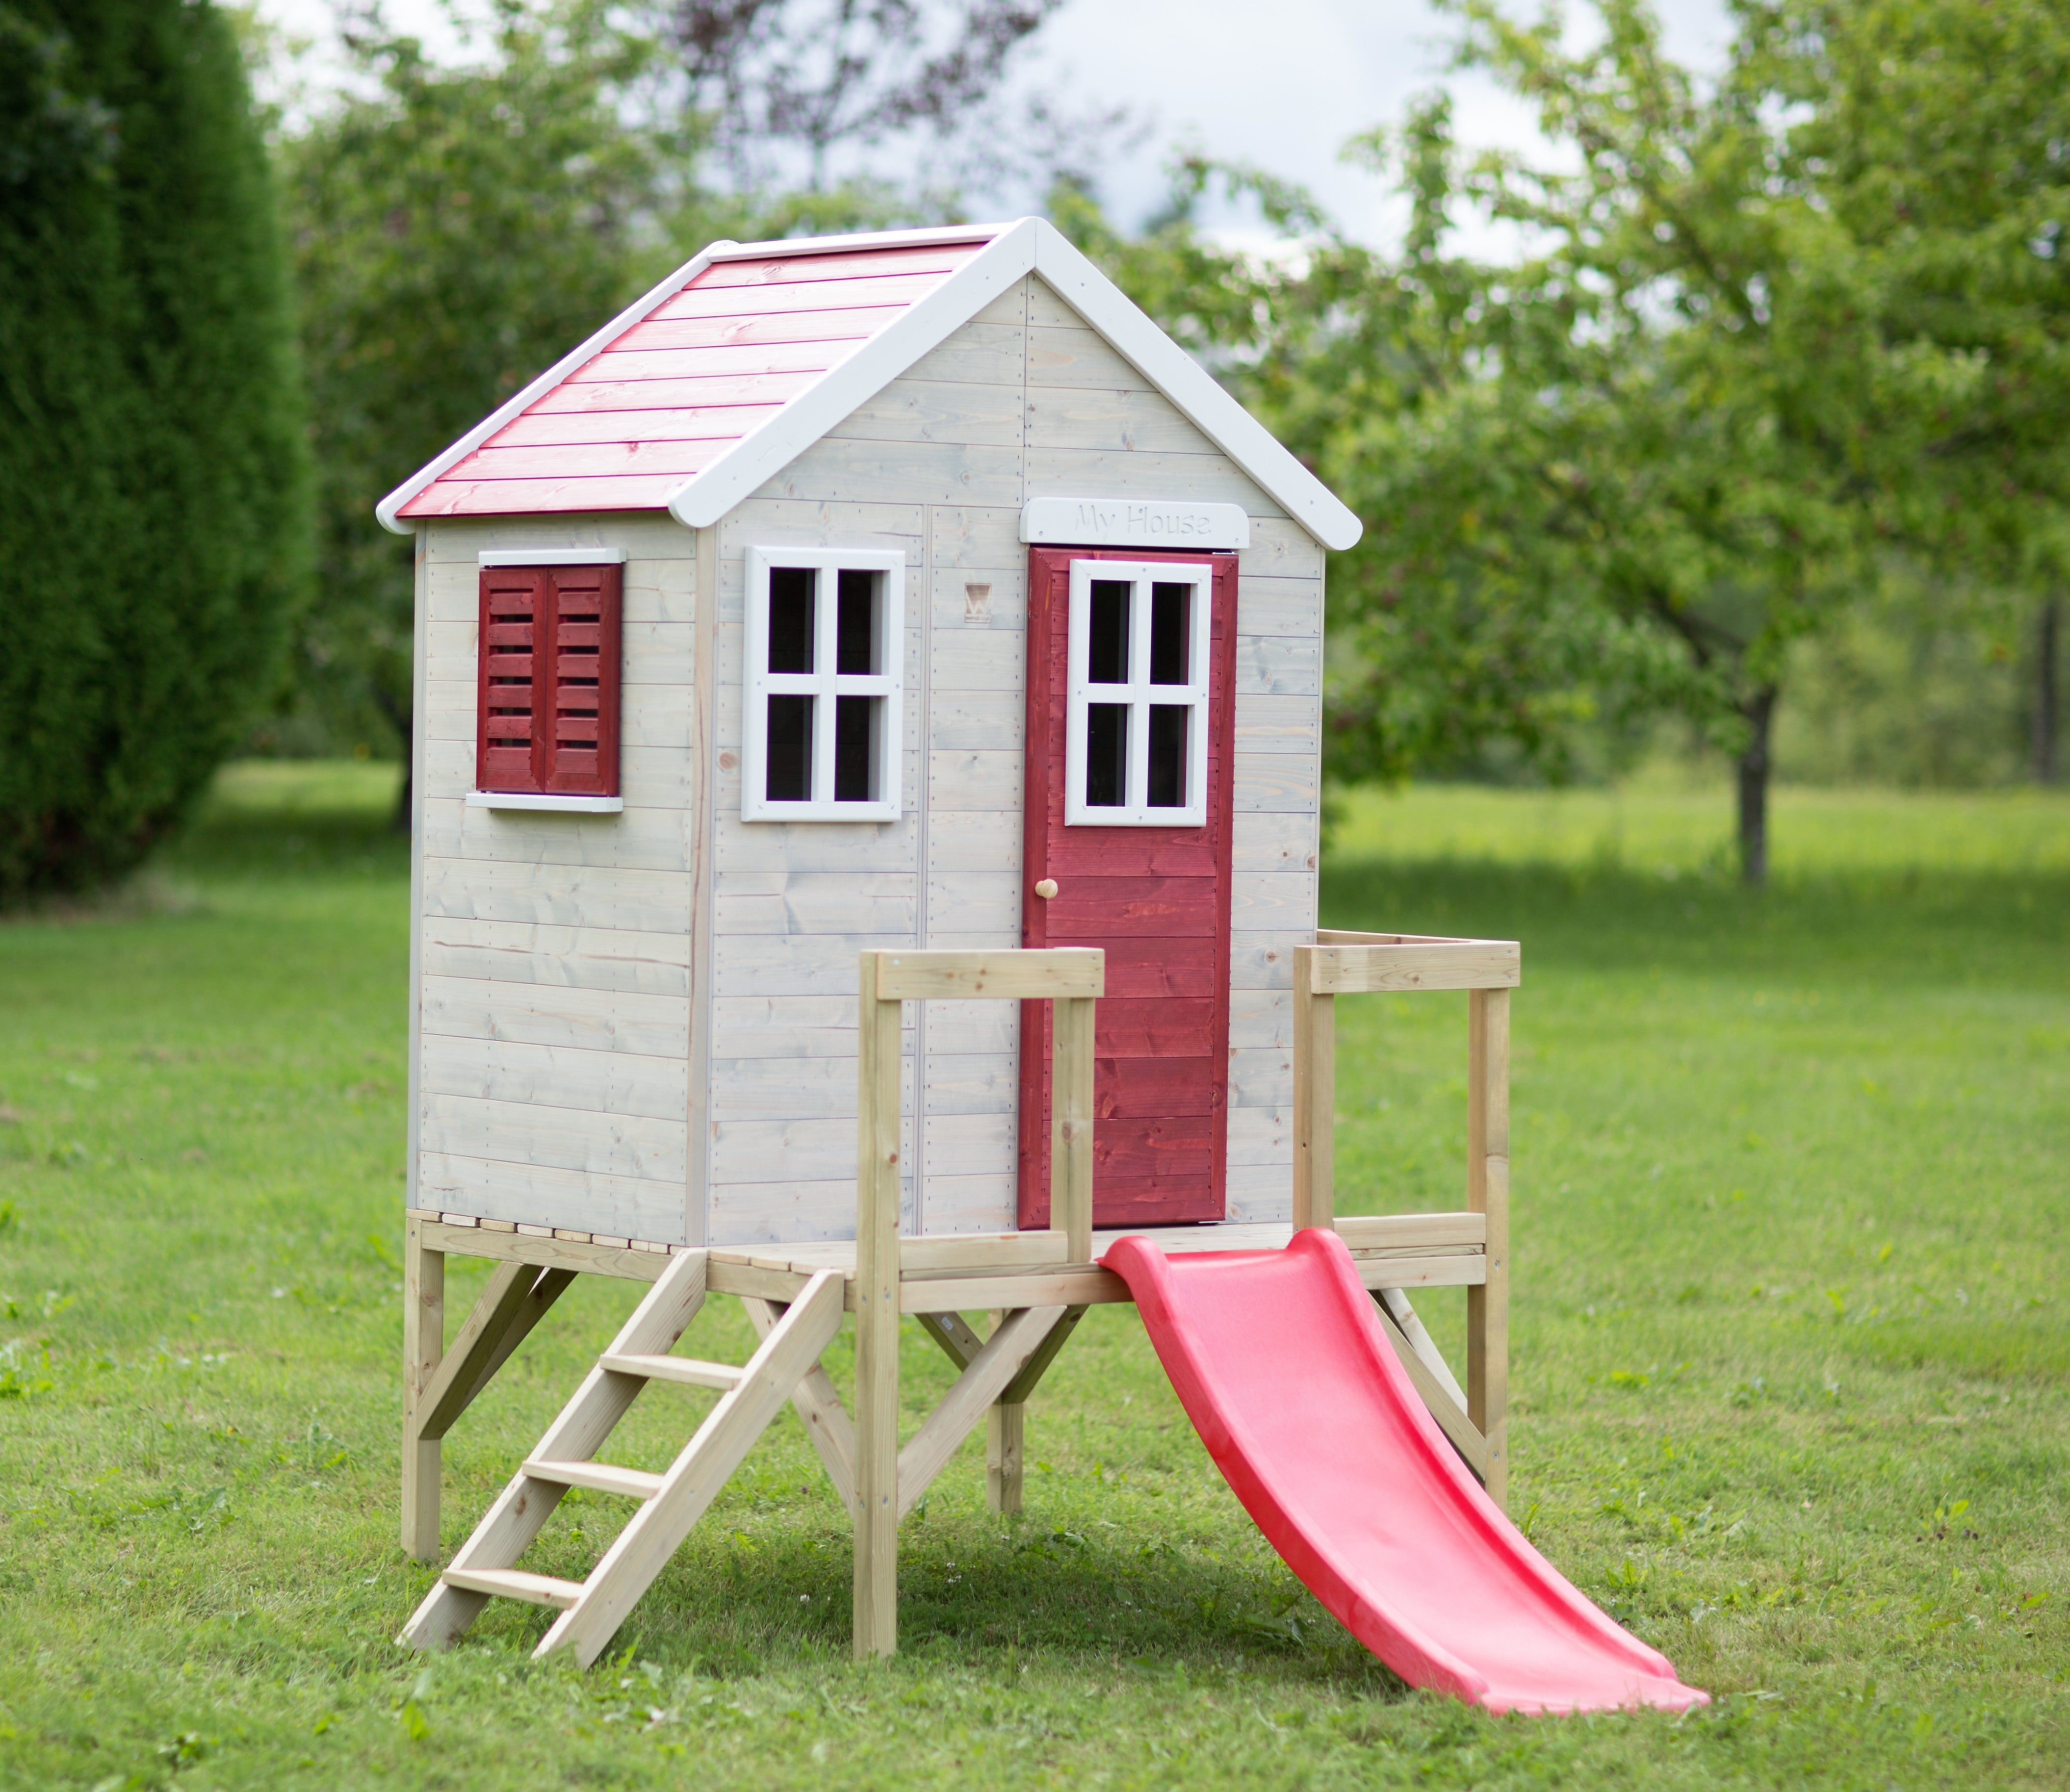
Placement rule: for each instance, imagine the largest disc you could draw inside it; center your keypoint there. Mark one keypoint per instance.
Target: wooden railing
(1070, 978)
(1342, 964)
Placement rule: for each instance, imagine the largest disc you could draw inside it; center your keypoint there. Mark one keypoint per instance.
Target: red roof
(673, 392)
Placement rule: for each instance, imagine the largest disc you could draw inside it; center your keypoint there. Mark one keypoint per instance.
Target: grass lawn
(1792, 1177)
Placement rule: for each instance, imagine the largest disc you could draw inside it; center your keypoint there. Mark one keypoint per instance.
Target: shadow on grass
(730, 1605)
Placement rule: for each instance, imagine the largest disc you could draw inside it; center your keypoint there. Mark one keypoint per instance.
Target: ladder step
(599, 1477)
(514, 1583)
(687, 1370)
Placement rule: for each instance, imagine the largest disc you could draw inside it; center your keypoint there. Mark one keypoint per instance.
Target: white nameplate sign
(1130, 523)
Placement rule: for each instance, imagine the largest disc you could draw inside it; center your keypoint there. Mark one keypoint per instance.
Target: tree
(152, 471)
(456, 232)
(1938, 131)
(816, 77)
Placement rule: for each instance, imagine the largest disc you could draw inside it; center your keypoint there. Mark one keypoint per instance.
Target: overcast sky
(1282, 84)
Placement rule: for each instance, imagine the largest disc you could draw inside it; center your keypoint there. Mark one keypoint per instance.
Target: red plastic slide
(1282, 1362)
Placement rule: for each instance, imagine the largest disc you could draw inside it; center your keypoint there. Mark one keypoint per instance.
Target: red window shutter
(512, 601)
(547, 713)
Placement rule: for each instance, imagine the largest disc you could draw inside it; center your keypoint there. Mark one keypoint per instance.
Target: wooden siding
(1023, 400)
(553, 1009)
(577, 969)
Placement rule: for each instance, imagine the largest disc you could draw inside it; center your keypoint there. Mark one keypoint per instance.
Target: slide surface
(1282, 1362)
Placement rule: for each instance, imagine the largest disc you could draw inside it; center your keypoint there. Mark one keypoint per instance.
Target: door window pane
(1168, 755)
(1107, 657)
(1168, 605)
(791, 609)
(1106, 755)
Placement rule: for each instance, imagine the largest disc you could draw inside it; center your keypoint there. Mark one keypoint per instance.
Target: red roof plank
(750, 358)
(726, 422)
(700, 300)
(590, 459)
(943, 259)
(847, 325)
(695, 393)
(504, 497)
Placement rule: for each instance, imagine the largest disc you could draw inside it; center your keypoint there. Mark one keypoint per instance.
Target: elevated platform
(984, 1270)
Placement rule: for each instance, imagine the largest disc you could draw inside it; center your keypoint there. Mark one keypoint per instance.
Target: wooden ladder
(785, 1367)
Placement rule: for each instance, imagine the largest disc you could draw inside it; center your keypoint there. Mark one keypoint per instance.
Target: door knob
(1046, 888)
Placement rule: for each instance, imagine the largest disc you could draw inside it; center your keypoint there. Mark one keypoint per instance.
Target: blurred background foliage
(1747, 448)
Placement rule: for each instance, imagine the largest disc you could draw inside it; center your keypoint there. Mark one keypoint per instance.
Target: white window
(1135, 742)
(821, 738)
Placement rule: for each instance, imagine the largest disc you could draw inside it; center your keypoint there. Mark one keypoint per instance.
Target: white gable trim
(636, 313)
(1194, 391)
(1032, 246)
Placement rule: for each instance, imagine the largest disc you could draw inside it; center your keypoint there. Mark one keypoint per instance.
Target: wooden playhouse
(867, 789)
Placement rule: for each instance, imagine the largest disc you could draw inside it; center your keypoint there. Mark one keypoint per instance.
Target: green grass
(1789, 1365)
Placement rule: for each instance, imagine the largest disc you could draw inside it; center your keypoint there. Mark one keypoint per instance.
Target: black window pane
(1168, 755)
(855, 745)
(1168, 605)
(1106, 658)
(1106, 755)
(790, 618)
(856, 625)
(790, 750)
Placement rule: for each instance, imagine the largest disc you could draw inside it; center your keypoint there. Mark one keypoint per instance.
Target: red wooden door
(1157, 897)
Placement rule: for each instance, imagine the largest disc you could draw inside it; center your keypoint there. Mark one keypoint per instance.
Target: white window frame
(1138, 694)
(822, 683)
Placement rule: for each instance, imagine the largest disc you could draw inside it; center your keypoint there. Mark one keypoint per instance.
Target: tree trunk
(1759, 712)
(400, 719)
(2046, 698)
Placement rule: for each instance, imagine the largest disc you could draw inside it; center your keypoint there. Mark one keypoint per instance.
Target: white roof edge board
(1032, 245)
(774, 443)
(595, 345)
(861, 241)
(1194, 390)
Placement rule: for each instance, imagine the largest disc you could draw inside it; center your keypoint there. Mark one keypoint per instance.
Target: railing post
(1487, 1192)
(878, 1164)
(1071, 1124)
(1314, 1097)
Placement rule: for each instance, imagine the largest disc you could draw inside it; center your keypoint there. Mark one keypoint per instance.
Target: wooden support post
(1314, 1097)
(1071, 1124)
(1005, 1439)
(1005, 1435)
(1487, 1192)
(878, 1162)
(423, 1347)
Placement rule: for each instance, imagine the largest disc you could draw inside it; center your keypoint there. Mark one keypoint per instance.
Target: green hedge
(154, 475)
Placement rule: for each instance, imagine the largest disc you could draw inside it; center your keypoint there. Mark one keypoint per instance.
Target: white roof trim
(847, 245)
(636, 313)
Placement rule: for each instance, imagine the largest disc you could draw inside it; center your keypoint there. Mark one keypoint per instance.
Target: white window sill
(551, 804)
(820, 811)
